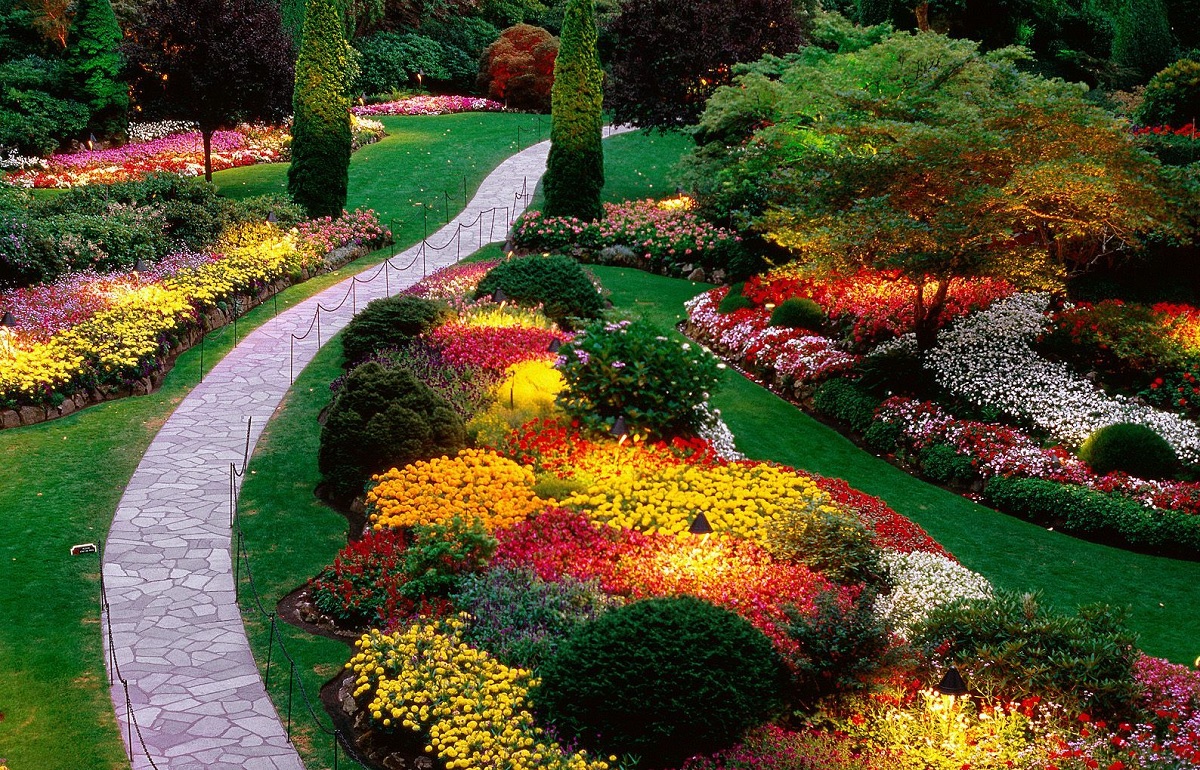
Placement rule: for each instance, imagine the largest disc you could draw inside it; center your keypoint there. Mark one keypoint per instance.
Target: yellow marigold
(473, 708)
(738, 498)
(476, 485)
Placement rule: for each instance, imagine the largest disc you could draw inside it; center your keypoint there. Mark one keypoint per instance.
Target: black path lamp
(554, 345)
(700, 525)
(271, 216)
(499, 297)
(8, 321)
(952, 683)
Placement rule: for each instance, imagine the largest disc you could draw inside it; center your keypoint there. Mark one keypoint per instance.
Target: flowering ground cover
(429, 105)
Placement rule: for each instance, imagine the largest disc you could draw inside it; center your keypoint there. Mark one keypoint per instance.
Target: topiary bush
(731, 303)
(632, 370)
(1172, 97)
(1012, 646)
(380, 419)
(663, 679)
(389, 322)
(846, 402)
(838, 546)
(557, 282)
(798, 313)
(941, 463)
(1132, 448)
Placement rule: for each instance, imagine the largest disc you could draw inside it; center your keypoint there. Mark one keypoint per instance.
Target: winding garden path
(186, 690)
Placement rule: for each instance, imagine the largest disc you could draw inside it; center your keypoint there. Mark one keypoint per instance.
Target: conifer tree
(575, 168)
(93, 51)
(1142, 41)
(319, 175)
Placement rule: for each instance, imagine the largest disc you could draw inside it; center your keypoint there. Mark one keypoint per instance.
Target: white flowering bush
(11, 160)
(988, 359)
(922, 582)
(712, 428)
(148, 132)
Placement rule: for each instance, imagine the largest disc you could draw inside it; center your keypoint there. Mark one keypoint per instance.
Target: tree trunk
(926, 315)
(208, 135)
(922, 12)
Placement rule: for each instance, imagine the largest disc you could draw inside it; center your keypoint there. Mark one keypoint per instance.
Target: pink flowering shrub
(429, 105)
(360, 227)
(454, 282)
(657, 235)
(492, 347)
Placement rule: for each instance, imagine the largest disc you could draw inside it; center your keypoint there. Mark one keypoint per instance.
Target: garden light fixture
(952, 683)
(499, 296)
(554, 345)
(140, 266)
(620, 429)
(700, 525)
(271, 217)
(9, 320)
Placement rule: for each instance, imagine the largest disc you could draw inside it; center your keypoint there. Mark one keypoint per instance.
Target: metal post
(270, 649)
(387, 289)
(129, 721)
(354, 295)
(275, 300)
(425, 212)
(291, 687)
(203, 339)
(319, 343)
(291, 358)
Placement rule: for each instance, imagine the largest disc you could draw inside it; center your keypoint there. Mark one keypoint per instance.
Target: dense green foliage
(1142, 42)
(838, 546)
(632, 370)
(1012, 646)
(1097, 515)
(518, 68)
(733, 302)
(438, 53)
(35, 116)
(846, 402)
(380, 419)
(390, 321)
(798, 313)
(1135, 449)
(319, 175)
(841, 642)
(575, 168)
(663, 679)
(521, 618)
(853, 160)
(556, 282)
(93, 49)
(943, 464)
(1172, 97)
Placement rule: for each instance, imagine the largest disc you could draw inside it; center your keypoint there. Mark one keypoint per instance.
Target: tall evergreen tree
(1142, 41)
(575, 168)
(320, 172)
(93, 50)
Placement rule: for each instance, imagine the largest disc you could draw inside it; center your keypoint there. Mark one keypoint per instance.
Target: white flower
(714, 430)
(922, 582)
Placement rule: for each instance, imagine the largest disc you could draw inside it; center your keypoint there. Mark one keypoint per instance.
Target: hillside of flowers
(170, 146)
(1014, 389)
(483, 573)
(428, 105)
(89, 331)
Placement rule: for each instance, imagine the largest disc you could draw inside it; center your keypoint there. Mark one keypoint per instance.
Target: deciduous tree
(217, 62)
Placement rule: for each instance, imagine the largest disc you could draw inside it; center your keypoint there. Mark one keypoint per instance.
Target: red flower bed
(491, 347)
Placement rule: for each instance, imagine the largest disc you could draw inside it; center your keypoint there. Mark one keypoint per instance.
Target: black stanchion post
(291, 358)
(203, 338)
(354, 295)
(387, 289)
(425, 231)
(319, 343)
(275, 300)
(291, 687)
(336, 733)
(128, 721)
(270, 649)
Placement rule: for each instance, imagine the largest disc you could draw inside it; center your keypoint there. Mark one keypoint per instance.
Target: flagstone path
(183, 667)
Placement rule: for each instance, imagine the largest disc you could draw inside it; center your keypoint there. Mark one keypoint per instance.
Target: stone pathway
(177, 638)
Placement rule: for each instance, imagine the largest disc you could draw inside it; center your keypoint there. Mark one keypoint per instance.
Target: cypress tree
(1142, 42)
(575, 168)
(93, 51)
(319, 174)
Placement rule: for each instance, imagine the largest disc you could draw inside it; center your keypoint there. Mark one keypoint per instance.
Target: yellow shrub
(527, 393)
(475, 485)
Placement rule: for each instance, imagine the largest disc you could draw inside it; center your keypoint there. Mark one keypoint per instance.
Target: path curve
(195, 693)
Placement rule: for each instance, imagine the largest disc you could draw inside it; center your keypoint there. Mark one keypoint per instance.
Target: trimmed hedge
(556, 282)
(390, 321)
(1097, 515)
(844, 401)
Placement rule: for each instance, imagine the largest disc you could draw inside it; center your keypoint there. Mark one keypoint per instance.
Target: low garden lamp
(619, 430)
(554, 345)
(8, 326)
(700, 525)
(9, 321)
(140, 267)
(91, 141)
(271, 217)
(499, 296)
(952, 683)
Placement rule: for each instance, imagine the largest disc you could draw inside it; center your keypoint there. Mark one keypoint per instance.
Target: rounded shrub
(518, 68)
(837, 545)
(844, 401)
(556, 282)
(390, 321)
(632, 370)
(662, 678)
(1129, 447)
(942, 464)
(798, 313)
(380, 419)
(734, 299)
(1172, 96)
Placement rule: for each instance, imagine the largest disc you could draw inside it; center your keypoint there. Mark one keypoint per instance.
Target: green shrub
(113, 240)
(897, 370)
(883, 437)
(521, 618)
(798, 313)
(1171, 149)
(441, 555)
(632, 370)
(841, 642)
(390, 321)
(380, 419)
(1011, 647)
(557, 282)
(838, 546)
(1132, 448)
(845, 402)
(943, 464)
(663, 679)
(1085, 512)
(36, 115)
(392, 60)
(733, 302)
(1172, 97)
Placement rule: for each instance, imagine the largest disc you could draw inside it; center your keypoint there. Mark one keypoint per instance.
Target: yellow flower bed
(476, 485)
(129, 334)
(472, 707)
(527, 393)
(737, 499)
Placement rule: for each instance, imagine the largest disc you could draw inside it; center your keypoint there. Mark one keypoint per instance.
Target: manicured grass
(61, 481)
(1163, 594)
(639, 164)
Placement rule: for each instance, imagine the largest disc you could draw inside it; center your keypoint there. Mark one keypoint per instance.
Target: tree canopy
(924, 156)
(217, 62)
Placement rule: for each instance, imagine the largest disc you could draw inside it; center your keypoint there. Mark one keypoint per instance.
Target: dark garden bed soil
(370, 747)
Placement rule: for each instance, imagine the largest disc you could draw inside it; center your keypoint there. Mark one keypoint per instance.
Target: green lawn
(1163, 593)
(54, 493)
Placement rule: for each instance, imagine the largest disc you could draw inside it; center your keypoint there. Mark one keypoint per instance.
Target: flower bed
(429, 105)
(104, 332)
